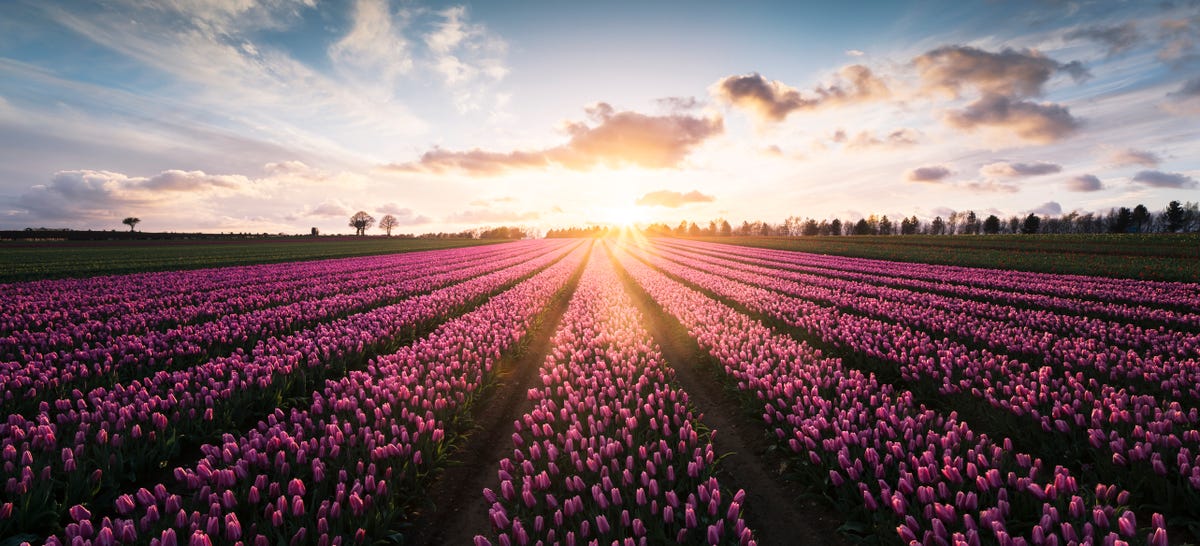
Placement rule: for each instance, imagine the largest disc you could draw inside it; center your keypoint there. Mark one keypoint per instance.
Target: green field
(1155, 256)
(22, 261)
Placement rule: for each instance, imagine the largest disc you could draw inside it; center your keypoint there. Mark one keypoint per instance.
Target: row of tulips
(1157, 437)
(1167, 384)
(350, 465)
(609, 453)
(890, 463)
(65, 310)
(34, 375)
(130, 429)
(1032, 330)
(1173, 304)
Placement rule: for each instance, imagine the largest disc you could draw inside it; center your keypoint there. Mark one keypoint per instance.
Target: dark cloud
(1130, 156)
(1084, 183)
(673, 199)
(933, 173)
(1037, 122)
(772, 100)
(615, 139)
(1187, 99)
(1049, 208)
(1116, 38)
(1009, 73)
(1020, 169)
(1161, 179)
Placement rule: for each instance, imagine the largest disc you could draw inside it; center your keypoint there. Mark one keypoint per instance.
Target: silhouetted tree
(971, 223)
(726, 229)
(885, 226)
(693, 230)
(1174, 216)
(1032, 223)
(1121, 221)
(937, 226)
(388, 223)
(862, 227)
(991, 225)
(361, 222)
(131, 221)
(1140, 219)
(835, 227)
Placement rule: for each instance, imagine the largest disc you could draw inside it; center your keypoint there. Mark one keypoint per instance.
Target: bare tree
(387, 223)
(361, 222)
(131, 221)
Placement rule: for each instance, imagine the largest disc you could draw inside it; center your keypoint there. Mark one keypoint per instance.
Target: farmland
(25, 261)
(618, 390)
(1148, 256)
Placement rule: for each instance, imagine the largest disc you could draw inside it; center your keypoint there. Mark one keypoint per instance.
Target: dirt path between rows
(459, 511)
(774, 508)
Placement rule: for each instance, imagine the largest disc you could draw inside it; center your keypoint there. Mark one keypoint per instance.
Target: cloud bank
(614, 139)
(772, 100)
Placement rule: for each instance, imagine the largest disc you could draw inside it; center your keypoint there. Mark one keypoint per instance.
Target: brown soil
(459, 511)
(775, 508)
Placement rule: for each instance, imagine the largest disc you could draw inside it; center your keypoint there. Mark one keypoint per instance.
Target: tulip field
(319, 402)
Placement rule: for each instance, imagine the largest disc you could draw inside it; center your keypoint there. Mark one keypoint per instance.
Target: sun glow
(624, 216)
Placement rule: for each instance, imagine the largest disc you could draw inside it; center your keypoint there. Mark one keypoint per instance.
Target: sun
(624, 216)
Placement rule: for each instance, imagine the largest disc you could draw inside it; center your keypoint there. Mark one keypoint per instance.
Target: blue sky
(232, 115)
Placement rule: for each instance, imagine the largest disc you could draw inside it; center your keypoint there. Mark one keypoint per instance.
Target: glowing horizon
(277, 117)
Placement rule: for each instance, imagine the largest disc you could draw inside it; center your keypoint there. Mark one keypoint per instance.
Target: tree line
(361, 222)
(1176, 217)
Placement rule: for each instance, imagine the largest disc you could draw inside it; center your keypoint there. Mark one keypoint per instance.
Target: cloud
(1159, 179)
(374, 47)
(673, 199)
(854, 53)
(1036, 122)
(480, 216)
(329, 208)
(1009, 73)
(1020, 169)
(91, 194)
(469, 58)
(1084, 183)
(678, 104)
(933, 173)
(1130, 156)
(1186, 100)
(991, 186)
(900, 138)
(1117, 38)
(405, 216)
(772, 100)
(615, 139)
(1049, 208)
(1179, 36)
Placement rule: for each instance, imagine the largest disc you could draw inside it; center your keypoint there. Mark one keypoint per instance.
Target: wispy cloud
(673, 199)
(1007, 169)
(1130, 156)
(613, 139)
(483, 216)
(468, 57)
(1117, 38)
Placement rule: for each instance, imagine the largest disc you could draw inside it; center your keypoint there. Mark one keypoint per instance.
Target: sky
(282, 115)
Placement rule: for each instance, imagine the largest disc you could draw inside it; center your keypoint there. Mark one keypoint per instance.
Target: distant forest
(1176, 217)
